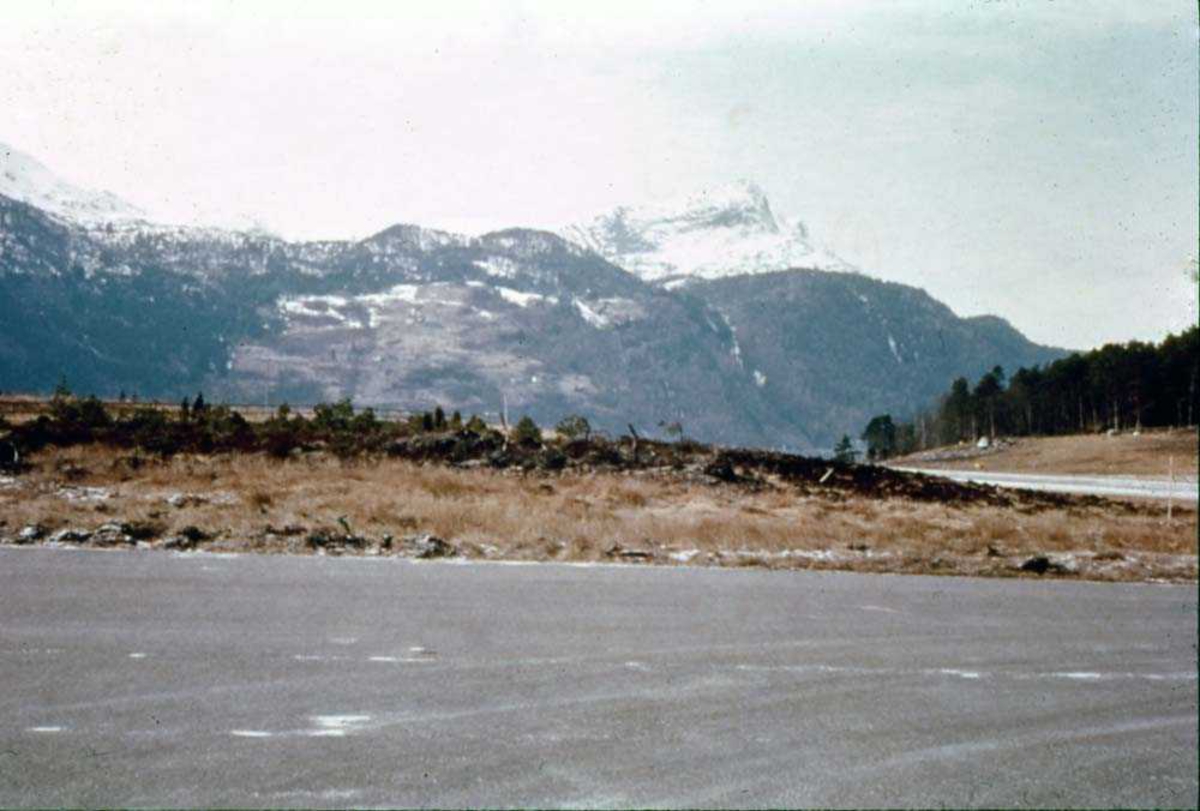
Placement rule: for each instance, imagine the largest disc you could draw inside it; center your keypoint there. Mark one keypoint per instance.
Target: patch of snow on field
(401, 292)
(523, 299)
(72, 493)
(895, 351)
(498, 266)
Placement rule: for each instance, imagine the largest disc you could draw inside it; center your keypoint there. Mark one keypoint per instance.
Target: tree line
(1116, 387)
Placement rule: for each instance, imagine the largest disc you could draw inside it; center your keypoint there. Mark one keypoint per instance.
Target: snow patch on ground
(760, 379)
(523, 299)
(72, 493)
(401, 292)
(499, 266)
(736, 349)
(895, 351)
(591, 316)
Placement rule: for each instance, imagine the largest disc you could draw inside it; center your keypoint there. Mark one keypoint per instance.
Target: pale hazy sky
(1034, 159)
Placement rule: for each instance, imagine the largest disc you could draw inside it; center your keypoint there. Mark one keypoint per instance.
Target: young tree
(439, 419)
(844, 450)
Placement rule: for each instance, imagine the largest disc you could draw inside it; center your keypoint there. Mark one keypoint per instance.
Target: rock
(10, 457)
(983, 444)
(721, 469)
(181, 500)
(1037, 563)
(430, 546)
(112, 534)
(1041, 564)
(332, 540)
(618, 551)
(187, 538)
(288, 531)
(71, 536)
(30, 533)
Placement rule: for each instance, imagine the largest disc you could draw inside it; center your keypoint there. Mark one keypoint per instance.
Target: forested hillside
(1118, 386)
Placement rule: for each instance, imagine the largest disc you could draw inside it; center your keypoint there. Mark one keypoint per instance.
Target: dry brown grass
(1086, 454)
(251, 501)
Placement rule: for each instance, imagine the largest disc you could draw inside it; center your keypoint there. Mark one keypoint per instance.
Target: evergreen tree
(880, 436)
(844, 450)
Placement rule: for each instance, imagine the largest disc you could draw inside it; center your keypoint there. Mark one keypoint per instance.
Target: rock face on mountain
(715, 233)
(810, 339)
(413, 317)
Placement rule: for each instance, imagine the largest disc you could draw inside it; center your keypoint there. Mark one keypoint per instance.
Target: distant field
(1148, 454)
(19, 408)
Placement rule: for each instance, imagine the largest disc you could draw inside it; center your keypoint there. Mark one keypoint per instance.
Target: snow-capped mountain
(713, 233)
(24, 178)
(411, 317)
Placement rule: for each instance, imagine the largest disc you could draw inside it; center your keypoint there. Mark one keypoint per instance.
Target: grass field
(250, 502)
(1148, 454)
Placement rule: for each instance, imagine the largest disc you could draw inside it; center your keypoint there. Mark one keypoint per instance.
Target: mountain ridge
(412, 316)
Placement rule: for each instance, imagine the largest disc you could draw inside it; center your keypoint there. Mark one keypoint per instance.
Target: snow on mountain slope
(28, 180)
(716, 232)
(24, 178)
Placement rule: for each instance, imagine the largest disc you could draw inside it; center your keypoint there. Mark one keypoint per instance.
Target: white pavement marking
(45, 729)
(337, 725)
(137, 656)
(251, 733)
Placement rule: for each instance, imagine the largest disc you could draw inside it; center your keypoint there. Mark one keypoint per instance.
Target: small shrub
(527, 432)
(574, 427)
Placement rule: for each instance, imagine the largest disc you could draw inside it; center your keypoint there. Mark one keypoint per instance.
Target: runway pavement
(151, 678)
(1183, 490)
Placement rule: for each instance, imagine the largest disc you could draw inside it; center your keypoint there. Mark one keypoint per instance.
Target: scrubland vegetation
(344, 482)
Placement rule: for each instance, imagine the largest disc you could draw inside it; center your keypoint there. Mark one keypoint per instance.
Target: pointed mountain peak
(719, 230)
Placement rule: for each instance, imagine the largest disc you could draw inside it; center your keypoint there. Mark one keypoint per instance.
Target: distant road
(1183, 489)
(151, 679)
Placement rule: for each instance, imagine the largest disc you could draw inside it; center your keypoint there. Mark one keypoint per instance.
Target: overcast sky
(1035, 159)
